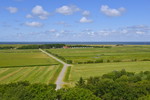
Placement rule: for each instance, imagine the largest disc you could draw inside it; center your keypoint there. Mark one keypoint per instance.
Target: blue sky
(75, 20)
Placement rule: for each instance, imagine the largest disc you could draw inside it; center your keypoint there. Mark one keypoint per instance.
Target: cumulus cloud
(67, 10)
(12, 9)
(29, 16)
(85, 13)
(62, 23)
(52, 31)
(40, 12)
(33, 24)
(85, 20)
(112, 12)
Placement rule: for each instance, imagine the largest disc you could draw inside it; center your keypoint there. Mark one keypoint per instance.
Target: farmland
(16, 58)
(113, 54)
(42, 74)
(88, 70)
(34, 66)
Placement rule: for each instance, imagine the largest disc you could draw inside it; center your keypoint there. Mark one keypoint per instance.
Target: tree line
(44, 46)
(7, 47)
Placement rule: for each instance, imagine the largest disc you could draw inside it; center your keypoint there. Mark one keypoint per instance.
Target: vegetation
(44, 46)
(26, 58)
(103, 55)
(76, 94)
(88, 46)
(54, 78)
(39, 74)
(87, 70)
(66, 78)
(118, 85)
(26, 91)
(95, 68)
(7, 47)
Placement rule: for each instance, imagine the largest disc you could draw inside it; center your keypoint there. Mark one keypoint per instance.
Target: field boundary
(27, 66)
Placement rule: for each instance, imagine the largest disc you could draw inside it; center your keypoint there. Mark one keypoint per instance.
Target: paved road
(59, 81)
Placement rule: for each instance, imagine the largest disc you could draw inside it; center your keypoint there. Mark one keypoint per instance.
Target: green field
(114, 54)
(43, 74)
(24, 58)
(87, 70)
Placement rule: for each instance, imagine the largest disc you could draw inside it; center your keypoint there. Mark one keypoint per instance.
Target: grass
(116, 53)
(55, 75)
(42, 74)
(12, 58)
(67, 74)
(87, 70)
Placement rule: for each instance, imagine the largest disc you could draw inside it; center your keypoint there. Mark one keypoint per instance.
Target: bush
(99, 61)
(69, 61)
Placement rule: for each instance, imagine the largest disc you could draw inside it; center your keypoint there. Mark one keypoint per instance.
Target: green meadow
(114, 54)
(88, 70)
(14, 58)
(36, 67)
(37, 74)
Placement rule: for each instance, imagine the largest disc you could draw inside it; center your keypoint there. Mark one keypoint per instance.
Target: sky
(74, 20)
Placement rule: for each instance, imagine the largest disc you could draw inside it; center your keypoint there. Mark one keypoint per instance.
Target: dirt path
(59, 81)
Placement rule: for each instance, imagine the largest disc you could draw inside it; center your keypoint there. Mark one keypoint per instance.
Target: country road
(59, 81)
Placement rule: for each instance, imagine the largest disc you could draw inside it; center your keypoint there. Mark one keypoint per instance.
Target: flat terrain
(39, 74)
(35, 66)
(87, 70)
(12, 58)
(114, 54)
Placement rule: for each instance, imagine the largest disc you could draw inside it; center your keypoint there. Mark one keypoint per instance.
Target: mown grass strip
(48, 74)
(10, 74)
(55, 76)
(66, 78)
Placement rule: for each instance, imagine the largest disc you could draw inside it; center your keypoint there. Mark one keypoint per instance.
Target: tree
(76, 94)
(81, 82)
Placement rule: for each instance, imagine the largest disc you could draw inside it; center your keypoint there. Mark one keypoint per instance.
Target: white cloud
(112, 12)
(63, 24)
(33, 24)
(53, 31)
(140, 32)
(29, 16)
(67, 10)
(12, 9)
(40, 12)
(85, 20)
(86, 13)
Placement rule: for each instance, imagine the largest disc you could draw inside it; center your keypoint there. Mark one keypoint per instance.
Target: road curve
(59, 82)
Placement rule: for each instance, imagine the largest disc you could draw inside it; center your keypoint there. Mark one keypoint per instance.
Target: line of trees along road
(117, 85)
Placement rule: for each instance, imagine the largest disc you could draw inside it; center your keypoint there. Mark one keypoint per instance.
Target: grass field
(87, 70)
(43, 74)
(121, 53)
(24, 58)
